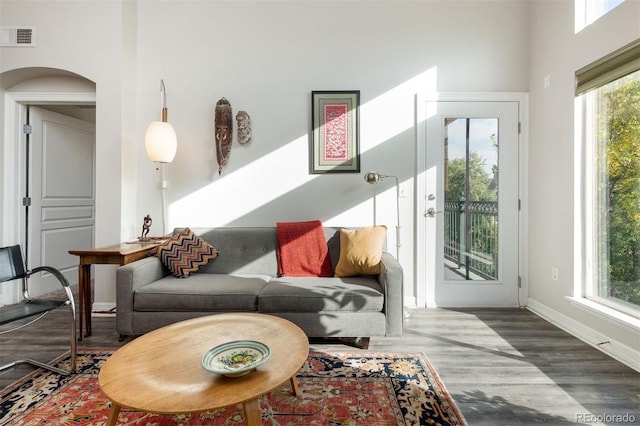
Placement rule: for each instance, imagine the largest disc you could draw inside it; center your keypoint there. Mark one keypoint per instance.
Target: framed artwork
(334, 146)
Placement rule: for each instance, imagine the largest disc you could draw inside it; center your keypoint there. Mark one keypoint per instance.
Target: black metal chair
(12, 268)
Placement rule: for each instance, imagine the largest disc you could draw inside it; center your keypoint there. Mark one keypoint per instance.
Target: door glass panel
(471, 199)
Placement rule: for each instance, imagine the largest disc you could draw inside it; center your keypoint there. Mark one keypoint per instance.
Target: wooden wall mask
(223, 132)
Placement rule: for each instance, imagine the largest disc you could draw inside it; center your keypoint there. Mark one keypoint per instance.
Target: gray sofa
(243, 278)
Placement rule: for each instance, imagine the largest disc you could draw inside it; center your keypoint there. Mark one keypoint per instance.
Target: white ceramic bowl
(237, 358)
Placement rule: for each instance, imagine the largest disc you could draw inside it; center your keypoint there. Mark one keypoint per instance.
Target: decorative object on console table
(146, 224)
(223, 132)
(119, 254)
(161, 144)
(375, 178)
(334, 143)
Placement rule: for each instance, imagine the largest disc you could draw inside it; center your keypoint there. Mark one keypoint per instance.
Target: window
(588, 11)
(610, 93)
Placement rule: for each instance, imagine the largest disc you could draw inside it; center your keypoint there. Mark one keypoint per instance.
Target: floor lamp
(161, 144)
(374, 178)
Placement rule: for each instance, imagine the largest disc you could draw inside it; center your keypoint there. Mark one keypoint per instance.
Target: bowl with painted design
(236, 358)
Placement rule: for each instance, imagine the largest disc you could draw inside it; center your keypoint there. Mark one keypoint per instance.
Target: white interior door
(61, 189)
(471, 204)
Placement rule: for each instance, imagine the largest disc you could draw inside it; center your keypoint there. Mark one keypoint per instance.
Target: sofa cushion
(308, 294)
(360, 251)
(201, 293)
(242, 250)
(185, 252)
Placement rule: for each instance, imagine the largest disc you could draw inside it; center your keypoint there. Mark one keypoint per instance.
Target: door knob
(431, 212)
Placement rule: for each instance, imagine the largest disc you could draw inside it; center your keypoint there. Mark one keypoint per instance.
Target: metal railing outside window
(471, 237)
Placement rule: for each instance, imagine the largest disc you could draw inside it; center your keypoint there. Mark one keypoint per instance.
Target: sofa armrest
(129, 278)
(391, 280)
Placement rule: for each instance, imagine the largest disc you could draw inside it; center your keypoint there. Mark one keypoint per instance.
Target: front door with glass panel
(471, 214)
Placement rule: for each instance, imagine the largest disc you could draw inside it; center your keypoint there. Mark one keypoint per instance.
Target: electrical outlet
(554, 274)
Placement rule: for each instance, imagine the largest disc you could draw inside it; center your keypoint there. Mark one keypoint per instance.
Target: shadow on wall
(42, 79)
(322, 197)
(264, 185)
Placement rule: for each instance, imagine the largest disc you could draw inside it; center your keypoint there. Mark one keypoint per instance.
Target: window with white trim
(588, 11)
(609, 91)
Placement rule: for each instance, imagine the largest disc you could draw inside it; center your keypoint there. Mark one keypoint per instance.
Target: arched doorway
(59, 102)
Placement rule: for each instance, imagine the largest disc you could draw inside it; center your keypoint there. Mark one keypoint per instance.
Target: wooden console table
(118, 254)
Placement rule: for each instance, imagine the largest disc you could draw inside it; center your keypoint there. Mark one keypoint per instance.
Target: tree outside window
(615, 193)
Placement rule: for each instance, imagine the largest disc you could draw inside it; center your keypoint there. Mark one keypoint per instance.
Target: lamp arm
(397, 217)
(163, 193)
(375, 177)
(163, 102)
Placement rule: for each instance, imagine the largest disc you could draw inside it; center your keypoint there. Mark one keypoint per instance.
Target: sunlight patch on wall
(286, 169)
(393, 112)
(247, 188)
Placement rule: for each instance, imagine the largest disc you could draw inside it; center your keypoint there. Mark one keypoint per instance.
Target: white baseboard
(103, 309)
(616, 350)
(410, 302)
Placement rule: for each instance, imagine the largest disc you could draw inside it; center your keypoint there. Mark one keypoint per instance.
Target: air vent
(17, 36)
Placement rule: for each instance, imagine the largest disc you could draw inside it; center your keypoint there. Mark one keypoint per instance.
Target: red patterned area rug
(337, 389)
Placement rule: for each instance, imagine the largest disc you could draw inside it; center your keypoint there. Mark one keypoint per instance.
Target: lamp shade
(161, 142)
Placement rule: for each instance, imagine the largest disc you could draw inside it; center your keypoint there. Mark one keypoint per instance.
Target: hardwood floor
(502, 366)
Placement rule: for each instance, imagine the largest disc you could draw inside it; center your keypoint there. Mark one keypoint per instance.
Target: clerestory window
(588, 11)
(609, 93)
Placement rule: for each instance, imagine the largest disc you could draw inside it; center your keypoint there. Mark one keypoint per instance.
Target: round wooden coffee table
(160, 372)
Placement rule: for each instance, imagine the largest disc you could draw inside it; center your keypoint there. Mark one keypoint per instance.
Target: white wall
(84, 38)
(557, 51)
(265, 57)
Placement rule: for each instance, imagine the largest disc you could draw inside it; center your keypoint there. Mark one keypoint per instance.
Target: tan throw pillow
(360, 251)
(184, 253)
